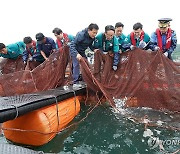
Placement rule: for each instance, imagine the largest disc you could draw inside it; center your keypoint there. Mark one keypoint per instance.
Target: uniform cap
(164, 22)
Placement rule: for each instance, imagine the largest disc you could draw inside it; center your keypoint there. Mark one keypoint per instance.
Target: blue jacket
(81, 42)
(36, 55)
(47, 47)
(154, 42)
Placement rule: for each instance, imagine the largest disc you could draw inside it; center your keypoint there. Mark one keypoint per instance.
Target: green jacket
(106, 45)
(121, 40)
(146, 39)
(14, 50)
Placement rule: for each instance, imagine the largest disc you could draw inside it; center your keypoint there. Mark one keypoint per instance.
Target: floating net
(143, 79)
(48, 75)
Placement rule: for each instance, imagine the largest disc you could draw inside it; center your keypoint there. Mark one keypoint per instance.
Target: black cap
(39, 37)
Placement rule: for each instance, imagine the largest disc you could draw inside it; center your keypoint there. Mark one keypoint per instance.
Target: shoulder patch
(126, 39)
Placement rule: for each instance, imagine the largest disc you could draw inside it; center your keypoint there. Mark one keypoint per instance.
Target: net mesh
(48, 75)
(143, 79)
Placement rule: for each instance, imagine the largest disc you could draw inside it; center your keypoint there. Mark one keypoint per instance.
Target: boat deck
(13, 106)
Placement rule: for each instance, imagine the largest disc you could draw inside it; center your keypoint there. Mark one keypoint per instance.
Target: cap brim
(39, 42)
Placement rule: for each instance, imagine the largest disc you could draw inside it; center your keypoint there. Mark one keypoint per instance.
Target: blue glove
(114, 68)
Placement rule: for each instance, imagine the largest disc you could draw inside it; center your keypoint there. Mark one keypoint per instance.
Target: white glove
(142, 44)
(30, 58)
(156, 48)
(166, 54)
(114, 68)
(132, 47)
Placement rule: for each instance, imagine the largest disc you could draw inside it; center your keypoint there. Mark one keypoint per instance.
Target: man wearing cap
(164, 38)
(137, 38)
(45, 45)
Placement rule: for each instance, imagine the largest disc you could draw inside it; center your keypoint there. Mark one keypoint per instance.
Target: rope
(74, 100)
(57, 110)
(17, 113)
(52, 132)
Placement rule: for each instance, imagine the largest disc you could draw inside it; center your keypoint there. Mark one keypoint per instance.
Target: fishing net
(143, 79)
(11, 65)
(48, 75)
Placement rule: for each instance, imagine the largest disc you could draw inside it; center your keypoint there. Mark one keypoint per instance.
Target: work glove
(165, 53)
(156, 48)
(114, 68)
(30, 58)
(132, 47)
(142, 44)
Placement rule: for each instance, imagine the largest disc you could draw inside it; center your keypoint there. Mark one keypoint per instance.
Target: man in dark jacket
(81, 42)
(45, 45)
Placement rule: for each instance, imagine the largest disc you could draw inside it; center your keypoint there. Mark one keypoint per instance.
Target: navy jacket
(47, 47)
(81, 42)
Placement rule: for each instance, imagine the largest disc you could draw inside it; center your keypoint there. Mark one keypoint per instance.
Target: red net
(47, 75)
(143, 79)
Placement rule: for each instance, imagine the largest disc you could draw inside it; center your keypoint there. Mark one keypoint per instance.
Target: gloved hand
(132, 47)
(30, 58)
(166, 54)
(142, 44)
(114, 68)
(24, 62)
(156, 48)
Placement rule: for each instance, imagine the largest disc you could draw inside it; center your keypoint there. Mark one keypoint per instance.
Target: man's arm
(173, 42)
(25, 56)
(116, 52)
(77, 40)
(44, 55)
(39, 47)
(127, 43)
(153, 45)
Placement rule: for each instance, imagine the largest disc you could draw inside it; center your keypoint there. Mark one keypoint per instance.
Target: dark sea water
(105, 131)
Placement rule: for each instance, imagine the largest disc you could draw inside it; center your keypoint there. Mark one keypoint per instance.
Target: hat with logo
(164, 22)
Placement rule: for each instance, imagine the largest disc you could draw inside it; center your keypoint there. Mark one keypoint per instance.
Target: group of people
(112, 42)
(38, 50)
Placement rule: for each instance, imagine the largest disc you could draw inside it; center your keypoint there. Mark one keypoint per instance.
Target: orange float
(41, 126)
